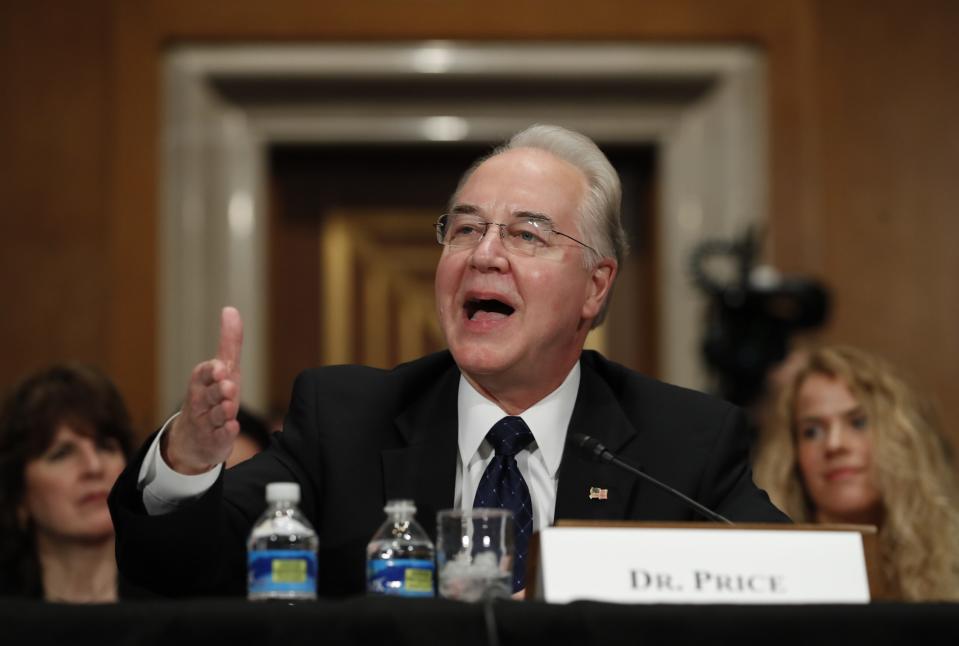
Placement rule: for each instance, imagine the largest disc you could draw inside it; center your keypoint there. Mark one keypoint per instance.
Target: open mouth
(486, 309)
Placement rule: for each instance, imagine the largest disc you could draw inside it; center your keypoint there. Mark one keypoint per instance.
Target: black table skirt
(436, 621)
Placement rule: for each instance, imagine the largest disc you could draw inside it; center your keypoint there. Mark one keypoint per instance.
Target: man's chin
(481, 359)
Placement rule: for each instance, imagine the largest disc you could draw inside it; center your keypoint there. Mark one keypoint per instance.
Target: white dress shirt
(163, 488)
(548, 420)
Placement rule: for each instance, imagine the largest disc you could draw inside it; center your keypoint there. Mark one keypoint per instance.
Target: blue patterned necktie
(503, 486)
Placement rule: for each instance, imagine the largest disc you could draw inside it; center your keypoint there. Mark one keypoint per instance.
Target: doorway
(689, 117)
(352, 256)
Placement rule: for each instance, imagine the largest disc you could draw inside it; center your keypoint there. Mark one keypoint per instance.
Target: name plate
(701, 565)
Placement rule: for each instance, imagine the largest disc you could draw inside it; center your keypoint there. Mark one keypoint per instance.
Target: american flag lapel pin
(595, 493)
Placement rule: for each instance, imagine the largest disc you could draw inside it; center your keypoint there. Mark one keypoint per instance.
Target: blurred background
(166, 157)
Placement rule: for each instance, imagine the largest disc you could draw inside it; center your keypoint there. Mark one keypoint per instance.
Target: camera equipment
(751, 317)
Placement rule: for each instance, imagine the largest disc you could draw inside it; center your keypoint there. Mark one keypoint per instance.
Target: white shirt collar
(548, 419)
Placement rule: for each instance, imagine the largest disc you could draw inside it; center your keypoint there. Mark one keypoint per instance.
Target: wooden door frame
(144, 30)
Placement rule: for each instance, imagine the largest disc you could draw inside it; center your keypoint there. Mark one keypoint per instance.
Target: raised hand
(202, 435)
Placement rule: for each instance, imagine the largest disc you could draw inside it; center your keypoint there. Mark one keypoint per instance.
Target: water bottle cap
(283, 491)
(400, 506)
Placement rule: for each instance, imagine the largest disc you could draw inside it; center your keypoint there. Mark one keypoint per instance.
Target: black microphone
(596, 451)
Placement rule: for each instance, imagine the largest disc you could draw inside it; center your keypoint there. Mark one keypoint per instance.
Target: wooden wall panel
(862, 158)
(133, 196)
(144, 28)
(54, 249)
(889, 96)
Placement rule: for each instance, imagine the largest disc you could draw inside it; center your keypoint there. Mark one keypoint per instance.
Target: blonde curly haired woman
(852, 443)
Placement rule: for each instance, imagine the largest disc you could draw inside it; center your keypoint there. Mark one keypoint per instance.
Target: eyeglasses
(529, 235)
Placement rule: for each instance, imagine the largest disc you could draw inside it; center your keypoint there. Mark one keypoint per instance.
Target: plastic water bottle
(281, 552)
(399, 558)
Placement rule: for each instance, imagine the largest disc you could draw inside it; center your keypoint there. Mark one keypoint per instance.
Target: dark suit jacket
(355, 437)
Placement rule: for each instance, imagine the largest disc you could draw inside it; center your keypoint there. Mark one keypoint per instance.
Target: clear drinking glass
(474, 553)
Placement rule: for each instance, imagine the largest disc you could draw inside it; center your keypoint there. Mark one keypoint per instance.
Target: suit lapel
(425, 469)
(589, 489)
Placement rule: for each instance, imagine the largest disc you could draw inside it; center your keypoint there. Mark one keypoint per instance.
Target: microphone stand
(595, 450)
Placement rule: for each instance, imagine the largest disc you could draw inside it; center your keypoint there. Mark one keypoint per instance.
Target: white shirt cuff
(165, 489)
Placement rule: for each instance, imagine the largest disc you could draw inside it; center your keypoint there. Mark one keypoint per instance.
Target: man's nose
(490, 253)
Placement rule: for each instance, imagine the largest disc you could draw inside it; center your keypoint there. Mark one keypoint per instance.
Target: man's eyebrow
(532, 215)
(471, 209)
(464, 209)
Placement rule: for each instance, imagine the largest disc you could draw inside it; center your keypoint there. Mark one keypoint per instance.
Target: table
(393, 622)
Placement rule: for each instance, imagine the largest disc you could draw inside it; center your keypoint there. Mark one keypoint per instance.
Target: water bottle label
(401, 577)
(282, 571)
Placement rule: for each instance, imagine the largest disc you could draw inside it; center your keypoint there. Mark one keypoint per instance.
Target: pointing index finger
(231, 338)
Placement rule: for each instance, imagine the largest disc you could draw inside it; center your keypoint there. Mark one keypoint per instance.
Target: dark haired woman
(65, 436)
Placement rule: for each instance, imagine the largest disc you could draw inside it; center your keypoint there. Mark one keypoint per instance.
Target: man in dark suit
(532, 243)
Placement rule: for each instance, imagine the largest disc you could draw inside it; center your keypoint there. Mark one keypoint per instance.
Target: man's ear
(597, 290)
